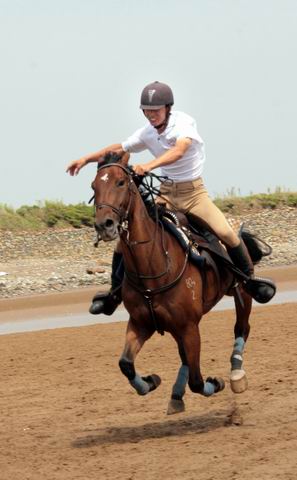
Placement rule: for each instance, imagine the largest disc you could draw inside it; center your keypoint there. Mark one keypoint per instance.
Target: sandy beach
(68, 413)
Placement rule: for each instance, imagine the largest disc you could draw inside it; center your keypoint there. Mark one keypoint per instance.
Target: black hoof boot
(105, 303)
(153, 381)
(217, 382)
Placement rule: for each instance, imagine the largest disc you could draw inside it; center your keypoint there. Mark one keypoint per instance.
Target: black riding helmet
(156, 95)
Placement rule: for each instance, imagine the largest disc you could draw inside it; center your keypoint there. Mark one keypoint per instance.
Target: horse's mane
(110, 157)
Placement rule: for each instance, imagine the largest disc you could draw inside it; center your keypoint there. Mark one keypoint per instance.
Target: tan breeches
(192, 197)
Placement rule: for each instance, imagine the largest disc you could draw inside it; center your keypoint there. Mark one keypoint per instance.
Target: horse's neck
(142, 246)
(141, 226)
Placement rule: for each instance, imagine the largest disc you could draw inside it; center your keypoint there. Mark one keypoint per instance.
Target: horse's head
(112, 187)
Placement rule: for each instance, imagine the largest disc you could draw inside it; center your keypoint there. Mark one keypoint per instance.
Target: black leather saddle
(206, 249)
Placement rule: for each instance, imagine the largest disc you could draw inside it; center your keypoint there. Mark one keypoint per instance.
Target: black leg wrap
(218, 383)
(127, 368)
(153, 381)
(196, 387)
(236, 363)
(176, 397)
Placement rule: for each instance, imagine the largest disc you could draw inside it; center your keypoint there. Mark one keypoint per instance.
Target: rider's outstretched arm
(75, 166)
(170, 156)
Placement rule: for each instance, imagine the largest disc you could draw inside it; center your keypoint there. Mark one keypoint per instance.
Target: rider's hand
(140, 169)
(75, 166)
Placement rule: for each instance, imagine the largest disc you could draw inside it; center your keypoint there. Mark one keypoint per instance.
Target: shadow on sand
(118, 435)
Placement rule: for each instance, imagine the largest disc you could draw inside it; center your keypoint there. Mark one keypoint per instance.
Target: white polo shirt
(180, 125)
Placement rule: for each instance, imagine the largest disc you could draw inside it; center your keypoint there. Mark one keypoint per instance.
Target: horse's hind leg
(135, 339)
(191, 343)
(176, 403)
(238, 378)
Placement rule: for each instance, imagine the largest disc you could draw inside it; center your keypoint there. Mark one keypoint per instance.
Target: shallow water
(121, 315)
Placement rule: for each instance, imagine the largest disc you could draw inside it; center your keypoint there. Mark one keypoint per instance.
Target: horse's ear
(125, 159)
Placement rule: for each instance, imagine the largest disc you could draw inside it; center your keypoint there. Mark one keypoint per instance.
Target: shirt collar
(170, 124)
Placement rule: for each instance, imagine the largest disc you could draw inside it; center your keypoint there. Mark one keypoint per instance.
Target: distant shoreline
(78, 300)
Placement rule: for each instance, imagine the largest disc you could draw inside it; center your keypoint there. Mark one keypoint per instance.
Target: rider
(172, 138)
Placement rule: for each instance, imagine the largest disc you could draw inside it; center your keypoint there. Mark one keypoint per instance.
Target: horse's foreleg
(176, 403)
(192, 345)
(238, 378)
(134, 342)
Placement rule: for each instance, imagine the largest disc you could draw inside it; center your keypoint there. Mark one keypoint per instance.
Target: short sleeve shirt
(180, 125)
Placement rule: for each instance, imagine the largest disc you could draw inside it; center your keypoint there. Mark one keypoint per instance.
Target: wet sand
(78, 300)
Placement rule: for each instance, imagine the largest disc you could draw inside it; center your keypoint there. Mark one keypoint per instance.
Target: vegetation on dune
(237, 204)
(47, 215)
(58, 215)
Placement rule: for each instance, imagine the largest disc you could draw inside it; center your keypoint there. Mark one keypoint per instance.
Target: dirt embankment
(54, 261)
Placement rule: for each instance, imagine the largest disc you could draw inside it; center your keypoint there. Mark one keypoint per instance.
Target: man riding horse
(172, 138)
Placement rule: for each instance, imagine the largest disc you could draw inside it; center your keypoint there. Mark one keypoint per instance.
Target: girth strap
(148, 293)
(153, 316)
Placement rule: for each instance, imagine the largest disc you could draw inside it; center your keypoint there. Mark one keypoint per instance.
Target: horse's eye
(120, 183)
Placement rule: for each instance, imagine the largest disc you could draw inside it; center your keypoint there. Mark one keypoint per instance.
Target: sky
(72, 72)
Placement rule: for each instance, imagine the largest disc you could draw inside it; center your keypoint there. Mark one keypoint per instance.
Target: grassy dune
(58, 215)
(260, 201)
(46, 215)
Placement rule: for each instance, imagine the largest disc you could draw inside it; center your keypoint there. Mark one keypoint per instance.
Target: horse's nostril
(108, 223)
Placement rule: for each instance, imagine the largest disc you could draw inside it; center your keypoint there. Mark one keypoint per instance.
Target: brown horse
(162, 290)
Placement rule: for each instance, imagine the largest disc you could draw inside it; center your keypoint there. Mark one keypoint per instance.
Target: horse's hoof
(175, 406)
(218, 383)
(238, 381)
(153, 381)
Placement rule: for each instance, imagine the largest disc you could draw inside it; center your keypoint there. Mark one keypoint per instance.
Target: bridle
(123, 214)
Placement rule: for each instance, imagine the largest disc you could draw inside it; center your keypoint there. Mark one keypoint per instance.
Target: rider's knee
(229, 238)
(127, 368)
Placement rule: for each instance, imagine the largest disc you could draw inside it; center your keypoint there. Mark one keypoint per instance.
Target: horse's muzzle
(107, 229)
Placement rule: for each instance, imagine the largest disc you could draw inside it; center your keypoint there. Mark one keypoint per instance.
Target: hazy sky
(72, 72)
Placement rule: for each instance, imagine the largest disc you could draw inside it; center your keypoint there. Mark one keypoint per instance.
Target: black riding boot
(261, 289)
(241, 259)
(108, 302)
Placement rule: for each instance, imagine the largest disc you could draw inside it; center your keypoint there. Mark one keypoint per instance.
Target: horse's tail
(257, 248)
